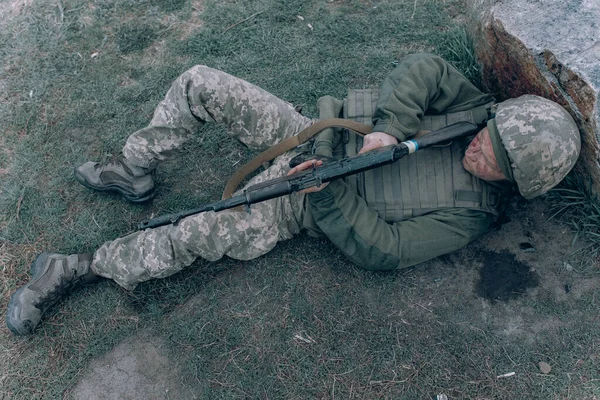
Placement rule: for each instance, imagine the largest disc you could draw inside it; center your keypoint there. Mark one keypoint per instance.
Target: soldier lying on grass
(430, 203)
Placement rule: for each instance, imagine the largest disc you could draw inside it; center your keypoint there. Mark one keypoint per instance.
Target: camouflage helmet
(541, 140)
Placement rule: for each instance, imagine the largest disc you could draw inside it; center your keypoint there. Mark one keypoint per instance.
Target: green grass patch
(457, 48)
(134, 38)
(574, 202)
(78, 77)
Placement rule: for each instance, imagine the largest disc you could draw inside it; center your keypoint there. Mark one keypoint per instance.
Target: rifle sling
(287, 145)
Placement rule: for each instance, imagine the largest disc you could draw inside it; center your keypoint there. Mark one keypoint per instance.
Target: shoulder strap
(289, 144)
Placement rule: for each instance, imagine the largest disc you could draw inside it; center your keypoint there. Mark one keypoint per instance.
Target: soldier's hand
(306, 165)
(375, 140)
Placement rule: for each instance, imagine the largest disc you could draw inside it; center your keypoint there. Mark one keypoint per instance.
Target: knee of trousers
(199, 70)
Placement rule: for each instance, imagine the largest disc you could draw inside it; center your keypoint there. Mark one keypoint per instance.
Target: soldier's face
(480, 160)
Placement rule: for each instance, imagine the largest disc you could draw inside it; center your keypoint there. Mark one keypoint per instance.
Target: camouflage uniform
(252, 116)
(419, 87)
(428, 207)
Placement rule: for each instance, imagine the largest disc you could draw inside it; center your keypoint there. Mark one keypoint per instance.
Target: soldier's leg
(202, 94)
(160, 252)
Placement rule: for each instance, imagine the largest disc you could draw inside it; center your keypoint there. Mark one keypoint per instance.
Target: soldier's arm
(422, 83)
(374, 244)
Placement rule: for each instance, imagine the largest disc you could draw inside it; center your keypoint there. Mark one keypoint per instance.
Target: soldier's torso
(428, 180)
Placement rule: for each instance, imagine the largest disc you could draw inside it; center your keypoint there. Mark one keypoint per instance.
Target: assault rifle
(327, 172)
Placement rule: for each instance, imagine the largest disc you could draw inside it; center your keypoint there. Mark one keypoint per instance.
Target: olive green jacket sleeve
(422, 83)
(374, 244)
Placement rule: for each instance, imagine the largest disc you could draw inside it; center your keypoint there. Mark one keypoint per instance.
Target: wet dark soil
(503, 277)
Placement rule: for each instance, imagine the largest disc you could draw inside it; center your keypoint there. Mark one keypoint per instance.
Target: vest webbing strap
(466, 195)
(289, 144)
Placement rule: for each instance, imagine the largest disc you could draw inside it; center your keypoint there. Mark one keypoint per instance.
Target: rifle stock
(322, 174)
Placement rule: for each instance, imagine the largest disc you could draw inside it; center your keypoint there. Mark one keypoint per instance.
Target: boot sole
(13, 310)
(114, 188)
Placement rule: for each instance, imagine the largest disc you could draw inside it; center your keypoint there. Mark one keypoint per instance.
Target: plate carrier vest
(422, 182)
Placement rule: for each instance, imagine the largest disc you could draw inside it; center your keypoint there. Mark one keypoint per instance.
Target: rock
(545, 368)
(549, 48)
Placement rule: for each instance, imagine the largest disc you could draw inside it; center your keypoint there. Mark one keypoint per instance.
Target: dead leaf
(303, 339)
(544, 367)
(507, 375)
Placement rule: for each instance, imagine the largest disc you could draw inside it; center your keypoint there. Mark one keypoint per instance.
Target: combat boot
(53, 276)
(135, 184)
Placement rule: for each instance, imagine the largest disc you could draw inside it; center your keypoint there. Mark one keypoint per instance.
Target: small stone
(544, 367)
(568, 267)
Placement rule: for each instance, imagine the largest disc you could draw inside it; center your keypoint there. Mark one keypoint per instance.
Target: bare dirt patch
(14, 7)
(86, 19)
(135, 369)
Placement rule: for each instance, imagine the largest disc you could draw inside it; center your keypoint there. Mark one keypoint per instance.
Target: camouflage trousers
(252, 116)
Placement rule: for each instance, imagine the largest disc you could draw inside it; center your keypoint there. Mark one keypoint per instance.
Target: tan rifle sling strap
(289, 144)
